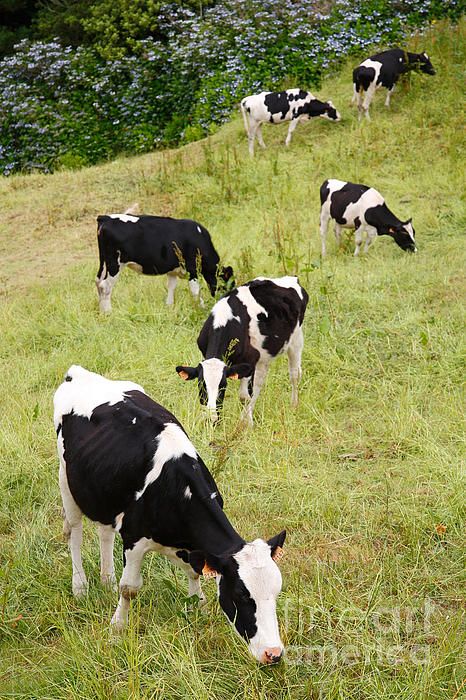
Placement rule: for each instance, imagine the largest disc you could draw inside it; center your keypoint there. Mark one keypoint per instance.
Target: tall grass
(367, 475)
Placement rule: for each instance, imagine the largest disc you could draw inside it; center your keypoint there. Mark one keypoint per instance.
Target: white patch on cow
(134, 421)
(400, 59)
(187, 493)
(173, 443)
(263, 579)
(86, 391)
(213, 494)
(222, 313)
(199, 229)
(410, 231)
(125, 218)
(376, 65)
(288, 282)
(213, 372)
(253, 309)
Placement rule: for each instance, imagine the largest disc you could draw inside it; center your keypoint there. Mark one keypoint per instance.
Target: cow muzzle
(272, 655)
(212, 415)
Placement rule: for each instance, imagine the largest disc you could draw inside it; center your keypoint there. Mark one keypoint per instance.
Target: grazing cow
(383, 70)
(276, 107)
(156, 245)
(246, 329)
(364, 209)
(128, 465)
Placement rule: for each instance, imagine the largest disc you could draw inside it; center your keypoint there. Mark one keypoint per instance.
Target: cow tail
(100, 243)
(245, 116)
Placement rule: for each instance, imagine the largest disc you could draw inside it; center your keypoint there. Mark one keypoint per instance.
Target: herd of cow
(127, 463)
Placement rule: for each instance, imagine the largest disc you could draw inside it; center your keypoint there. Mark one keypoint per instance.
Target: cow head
(424, 64)
(403, 234)
(225, 279)
(222, 280)
(248, 585)
(212, 378)
(326, 110)
(330, 112)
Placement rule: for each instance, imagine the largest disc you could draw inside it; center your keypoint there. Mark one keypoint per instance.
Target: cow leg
(259, 136)
(172, 281)
(107, 570)
(338, 231)
(355, 97)
(324, 219)
(370, 238)
(368, 99)
(130, 582)
(195, 290)
(260, 373)
(253, 126)
(389, 94)
(104, 290)
(291, 128)
(73, 530)
(294, 351)
(194, 580)
(244, 389)
(358, 236)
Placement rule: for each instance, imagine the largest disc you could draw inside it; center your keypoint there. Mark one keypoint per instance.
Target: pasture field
(367, 476)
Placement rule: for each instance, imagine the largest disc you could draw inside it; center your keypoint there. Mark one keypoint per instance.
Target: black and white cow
(383, 70)
(246, 329)
(364, 209)
(128, 465)
(156, 245)
(276, 107)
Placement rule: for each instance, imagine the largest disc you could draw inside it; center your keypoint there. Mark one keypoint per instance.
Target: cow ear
(198, 561)
(226, 273)
(276, 545)
(329, 102)
(187, 373)
(239, 371)
(409, 221)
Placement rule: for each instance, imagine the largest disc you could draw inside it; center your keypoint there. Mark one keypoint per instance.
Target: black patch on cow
(236, 601)
(363, 77)
(107, 458)
(276, 103)
(357, 222)
(387, 223)
(340, 199)
(324, 192)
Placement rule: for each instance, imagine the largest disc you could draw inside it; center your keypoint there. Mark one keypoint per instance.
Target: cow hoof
(247, 420)
(80, 588)
(109, 581)
(117, 625)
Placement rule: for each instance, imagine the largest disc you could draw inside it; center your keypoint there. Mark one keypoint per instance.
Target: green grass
(360, 475)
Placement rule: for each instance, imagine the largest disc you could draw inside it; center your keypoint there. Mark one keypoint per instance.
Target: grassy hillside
(367, 476)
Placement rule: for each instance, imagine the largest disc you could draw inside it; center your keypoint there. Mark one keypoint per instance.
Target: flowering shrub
(64, 106)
